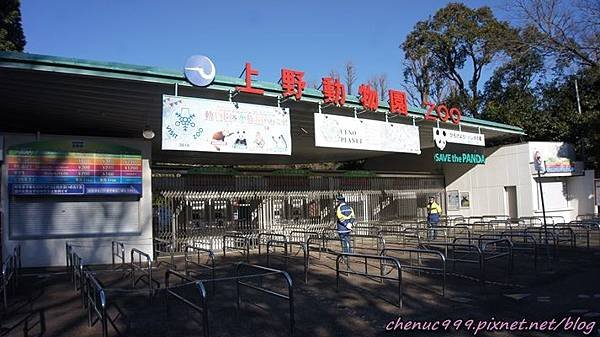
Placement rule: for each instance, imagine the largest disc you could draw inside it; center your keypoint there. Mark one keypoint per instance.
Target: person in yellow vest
(433, 217)
(344, 220)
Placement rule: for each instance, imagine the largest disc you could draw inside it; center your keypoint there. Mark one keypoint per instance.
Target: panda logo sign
(440, 138)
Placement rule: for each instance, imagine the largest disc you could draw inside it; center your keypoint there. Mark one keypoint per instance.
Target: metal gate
(198, 209)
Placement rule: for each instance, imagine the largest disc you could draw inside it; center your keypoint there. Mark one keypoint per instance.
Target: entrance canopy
(57, 95)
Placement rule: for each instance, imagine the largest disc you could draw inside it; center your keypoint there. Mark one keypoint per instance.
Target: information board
(35, 171)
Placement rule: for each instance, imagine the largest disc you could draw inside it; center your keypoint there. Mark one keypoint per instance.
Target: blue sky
(312, 36)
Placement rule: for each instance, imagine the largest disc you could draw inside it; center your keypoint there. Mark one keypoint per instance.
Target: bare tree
(350, 76)
(334, 74)
(382, 86)
(417, 79)
(313, 84)
(566, 30)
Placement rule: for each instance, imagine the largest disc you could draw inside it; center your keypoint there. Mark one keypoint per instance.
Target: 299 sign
(443, 113)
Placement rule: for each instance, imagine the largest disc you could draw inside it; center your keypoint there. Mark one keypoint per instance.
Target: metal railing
(585, 231)
(269, 236)
(302, 235)
(461, 253)
(405, 237)
(164, 248)
(234, 244)
(522, 242)
(420, 267)
(118, 252)
(369, 245)
(198, 253)
(381, 275)
(146, 271)
(97, 304)
(202, 308)
(499, 248)
(76, 269)
(289, 297)
(10, 274)
(288, 253)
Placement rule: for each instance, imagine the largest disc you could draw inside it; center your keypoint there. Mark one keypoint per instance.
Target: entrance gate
(198, 209)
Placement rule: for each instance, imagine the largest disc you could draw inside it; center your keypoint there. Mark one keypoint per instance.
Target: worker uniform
(345, 219)
(434, 210)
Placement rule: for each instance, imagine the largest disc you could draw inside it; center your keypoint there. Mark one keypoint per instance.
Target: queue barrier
(164, 249)
(492, 248)
(269, 236)
(522, 242)
(461, 253)
(545, 237)
(287, 253)
(240, 282)
(395, 262)
(419, 267)
(198, 253)
(10, 274)
(302, 235)
(238, 243)
(585, 230)
(405, 237)
(97, 304)
(118, 252)
(145, 269)
(199, 285)
(380, 244)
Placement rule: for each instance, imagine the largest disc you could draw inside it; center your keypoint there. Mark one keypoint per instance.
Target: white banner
(458, 137)
(364, 134)
(197, 124)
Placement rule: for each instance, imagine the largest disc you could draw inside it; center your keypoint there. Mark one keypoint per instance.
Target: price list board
(40, 172)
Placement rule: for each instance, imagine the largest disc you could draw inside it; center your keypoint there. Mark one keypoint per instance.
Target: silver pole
(577, 92)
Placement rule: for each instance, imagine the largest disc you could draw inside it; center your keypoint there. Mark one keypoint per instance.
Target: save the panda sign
(195, 124)
(458, 147)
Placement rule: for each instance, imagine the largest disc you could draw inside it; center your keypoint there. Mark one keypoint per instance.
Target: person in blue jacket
(345, 219)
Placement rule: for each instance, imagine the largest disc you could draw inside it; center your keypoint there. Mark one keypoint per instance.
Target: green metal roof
(164, 76)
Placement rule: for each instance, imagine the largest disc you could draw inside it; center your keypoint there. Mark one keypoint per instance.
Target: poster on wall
(597, 191)
(453, 201)
(556, 158)
(458, 147)
(195, 124)
(465, 202)
(364, 134)
(73, 168)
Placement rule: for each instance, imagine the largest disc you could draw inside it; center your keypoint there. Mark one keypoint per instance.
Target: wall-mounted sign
(194, 124)
(200, 70)
(363, 134)
(556, 158)
(453, 201)
(444, 136)
(472, 158)
(457, 147)
(597, 191)
(73, 168)
(465, 201)
(442, 113)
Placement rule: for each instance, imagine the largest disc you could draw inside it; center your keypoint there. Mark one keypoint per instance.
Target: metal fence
(192, 209)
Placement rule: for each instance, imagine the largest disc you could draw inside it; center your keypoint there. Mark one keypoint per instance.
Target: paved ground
(46, 303)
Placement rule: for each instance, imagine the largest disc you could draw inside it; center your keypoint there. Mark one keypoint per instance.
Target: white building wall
(509, 165)
(93, 250)
(505, 166)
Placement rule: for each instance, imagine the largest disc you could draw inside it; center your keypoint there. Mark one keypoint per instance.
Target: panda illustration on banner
(439, 136)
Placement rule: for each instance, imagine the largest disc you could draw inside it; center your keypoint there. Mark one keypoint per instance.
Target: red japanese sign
(248, 88)
(292, 83)
(334, 91)
(368, 97)
(398, 103)
(442, 113)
